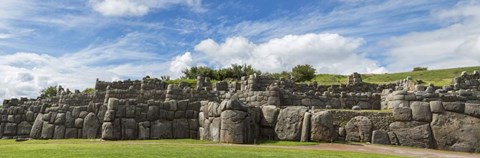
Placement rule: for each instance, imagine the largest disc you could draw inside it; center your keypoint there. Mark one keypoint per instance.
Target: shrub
(303, 73)
(420, 69)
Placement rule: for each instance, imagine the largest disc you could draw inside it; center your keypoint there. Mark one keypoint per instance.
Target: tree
(303, 73)
(89, 90)
(48, 92)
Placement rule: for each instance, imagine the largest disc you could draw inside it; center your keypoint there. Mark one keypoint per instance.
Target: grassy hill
(438, 77)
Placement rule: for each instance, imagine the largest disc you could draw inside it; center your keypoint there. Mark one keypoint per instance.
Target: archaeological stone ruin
(257, 108)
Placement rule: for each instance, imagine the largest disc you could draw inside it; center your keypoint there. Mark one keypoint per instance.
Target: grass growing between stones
(160, 148)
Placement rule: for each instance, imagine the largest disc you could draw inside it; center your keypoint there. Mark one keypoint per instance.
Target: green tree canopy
(48, 92)
(303, 73)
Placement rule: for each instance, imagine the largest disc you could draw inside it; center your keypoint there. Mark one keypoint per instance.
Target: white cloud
(138, 7)
(179, 63)
(454, 45)
(328, 53)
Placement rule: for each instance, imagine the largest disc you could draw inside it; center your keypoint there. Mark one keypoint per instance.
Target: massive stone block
(47, 130)
(37, 127)
(380, 137)
(59, 132)
(414, 133)
(269, 115)
(472, 109)
(305, 136)
(91, 124)
(457, 132)
(322, 126)
(107, 131)
(359, 129)
(421, 111)
(129, 129)
(289, 123)
(454, 106)
(234, 127)
(10, 129)
(402, 114)
(24, 128)
(180, 128)
(161, 130)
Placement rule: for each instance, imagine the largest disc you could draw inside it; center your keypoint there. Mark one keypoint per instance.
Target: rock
(402, 114)
(90, 126)
(472, 109)
(59, 132)
(107, 131)
(129, 129)
(143, 132)
(78, 123)
(37, 127)
(359, 129)
(60, 119)
(24, 128)
(457, 132)
(30, 116)
(47, 130)
(83, 114)
(180, 129)
(71, 133)
(322, 127)
(289, 123)
(232, 104)
(69, 120)
(152, 113)
(356, 107)
(393, 138)
(161, 130)
(454, 106)
(380, 137)
(305, 136)
(415, 134)
(215, 129)
(10, 129)
(112, 104)
(436, 107)
(421, 111)
(234, 127)
(109, 116)
(269, 115)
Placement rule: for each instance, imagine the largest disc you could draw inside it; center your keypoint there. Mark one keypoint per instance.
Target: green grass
(160, 148)
(329, 79)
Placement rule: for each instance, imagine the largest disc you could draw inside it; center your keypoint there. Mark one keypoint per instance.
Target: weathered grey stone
(233, 127)
(71, 133)
(356, 107)
(59, 132)
(78, 123)
(454, 106)
(457, 132)
(421, 111)
(83, 114)
(153, 113)
(108, 131)
(182, 105)
(322, 126)
(215, 129)
(416, 134)
(112, 104)
(91, 124)
(269, 115)
(130, 111)
(393, 138)
(10, 129)
(380, 137)
(359, 129)
(472, 109)
(402, 114)
(180, 128)
(129, 128)
(37, 127)
(289, 123)
(161, 130)
(29, 116)
(24, 128)
(60, 119)
(47, 130)
(436, 107)
(109, 116)
(143, 132)
(305, 136)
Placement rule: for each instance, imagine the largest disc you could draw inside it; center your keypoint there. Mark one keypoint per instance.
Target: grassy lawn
(160, 148)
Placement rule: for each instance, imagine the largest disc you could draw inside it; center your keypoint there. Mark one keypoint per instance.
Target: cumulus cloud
(138, 7)
(179, 63)
(328, 53)
(457, 44)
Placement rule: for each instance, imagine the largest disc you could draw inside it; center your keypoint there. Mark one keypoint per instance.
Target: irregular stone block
(436, 107)
(30, 116)
(415, 134)
(108, 131)
(91, 124)
(233, 128)
(359, 129)
(24, 128)
(472, 109)
(109, 116)
(454, 106)
(289, 123)
(78, 123)
(421, 111)
(47, 130)
(161, 130)
(37, 127)
(153, 113)
(129, 129)
(60, 119)
(180, 128)
(269, 115)
(130, 111)
(215, 129)
(59, 132)
(305, 136)
(322, 126)
(402, 114)
(380, 137)
(10, 129)
(71, 133)
(457, 132)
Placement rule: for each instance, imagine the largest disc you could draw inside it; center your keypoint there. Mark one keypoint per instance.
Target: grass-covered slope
(438, 77)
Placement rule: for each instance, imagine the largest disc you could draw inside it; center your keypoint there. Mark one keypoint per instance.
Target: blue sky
(72, 43)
